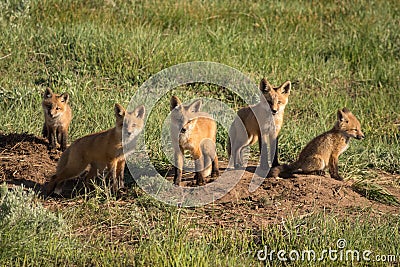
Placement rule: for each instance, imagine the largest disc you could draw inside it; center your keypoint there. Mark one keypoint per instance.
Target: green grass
(339, 54)
(144, 232)
(336, 53)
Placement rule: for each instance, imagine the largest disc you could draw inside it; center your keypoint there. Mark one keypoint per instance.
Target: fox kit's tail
(285, 171)
(276, 171)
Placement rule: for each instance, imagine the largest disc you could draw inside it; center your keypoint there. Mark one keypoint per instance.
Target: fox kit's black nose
(183, 130)
(274, 111)
(359, 137)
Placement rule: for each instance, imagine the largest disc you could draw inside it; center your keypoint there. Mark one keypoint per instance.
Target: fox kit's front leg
(112, 167)
(238, 139)
(120, 173)
(214, 167)
(275, 162)
(45, 131)
(117, 168)
(52, 133)
(199, 167)
(178, 166)
(238, 156)
(333, 167)
(62, 136)
(262, 145)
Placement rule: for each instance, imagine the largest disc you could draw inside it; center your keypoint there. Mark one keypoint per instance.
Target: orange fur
(274, 98)
(57, 117)
(194, 131)
(102, 150)
(324, 150)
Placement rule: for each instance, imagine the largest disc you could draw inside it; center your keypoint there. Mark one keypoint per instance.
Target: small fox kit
(100, 150)
(194, 131)
(324, 150)
(57, 117)
(274, 98)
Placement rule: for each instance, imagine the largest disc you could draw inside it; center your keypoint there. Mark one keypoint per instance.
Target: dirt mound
(304, 190)
(277, 199)
(25, 159)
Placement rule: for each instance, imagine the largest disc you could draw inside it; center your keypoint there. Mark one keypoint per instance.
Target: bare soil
(25, 160)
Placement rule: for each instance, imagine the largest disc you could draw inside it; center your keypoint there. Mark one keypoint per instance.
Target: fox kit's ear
(139, 112)
(346, 110)
(195, 106)
(119, 111)
(264, 85)
(342, 114)
(285, 87)
(47, 93)
(64, 97)
(174, 102)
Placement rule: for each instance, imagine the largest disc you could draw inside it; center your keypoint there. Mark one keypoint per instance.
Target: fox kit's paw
(215, 174)
(274, 172)
(51, 147)
(320, 173)
(177, 180)
(238, 166)
(199, 179)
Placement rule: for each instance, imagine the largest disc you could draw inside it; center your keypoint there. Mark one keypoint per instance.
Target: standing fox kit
(57, 117)
(257, 124)
(100, 151)
(324, 150)
(194, 131)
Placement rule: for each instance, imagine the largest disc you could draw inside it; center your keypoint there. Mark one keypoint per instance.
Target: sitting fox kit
(57, 117)
(194, 131)
(324, 150)
(273, 98)
(103, 150)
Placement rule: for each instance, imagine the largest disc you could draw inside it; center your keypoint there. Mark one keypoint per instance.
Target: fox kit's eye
(58, 108)
(279, 102)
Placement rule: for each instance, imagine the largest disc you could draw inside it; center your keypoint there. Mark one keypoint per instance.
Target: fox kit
(324, 150)
(57, 117)
(274, 98)
(100, 150)
(194, 131)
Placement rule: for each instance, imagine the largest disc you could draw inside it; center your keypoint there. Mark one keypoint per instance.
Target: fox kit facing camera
(103, 150)
(57, 118)
(324, 150)
(194, 131)
(273, 98)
